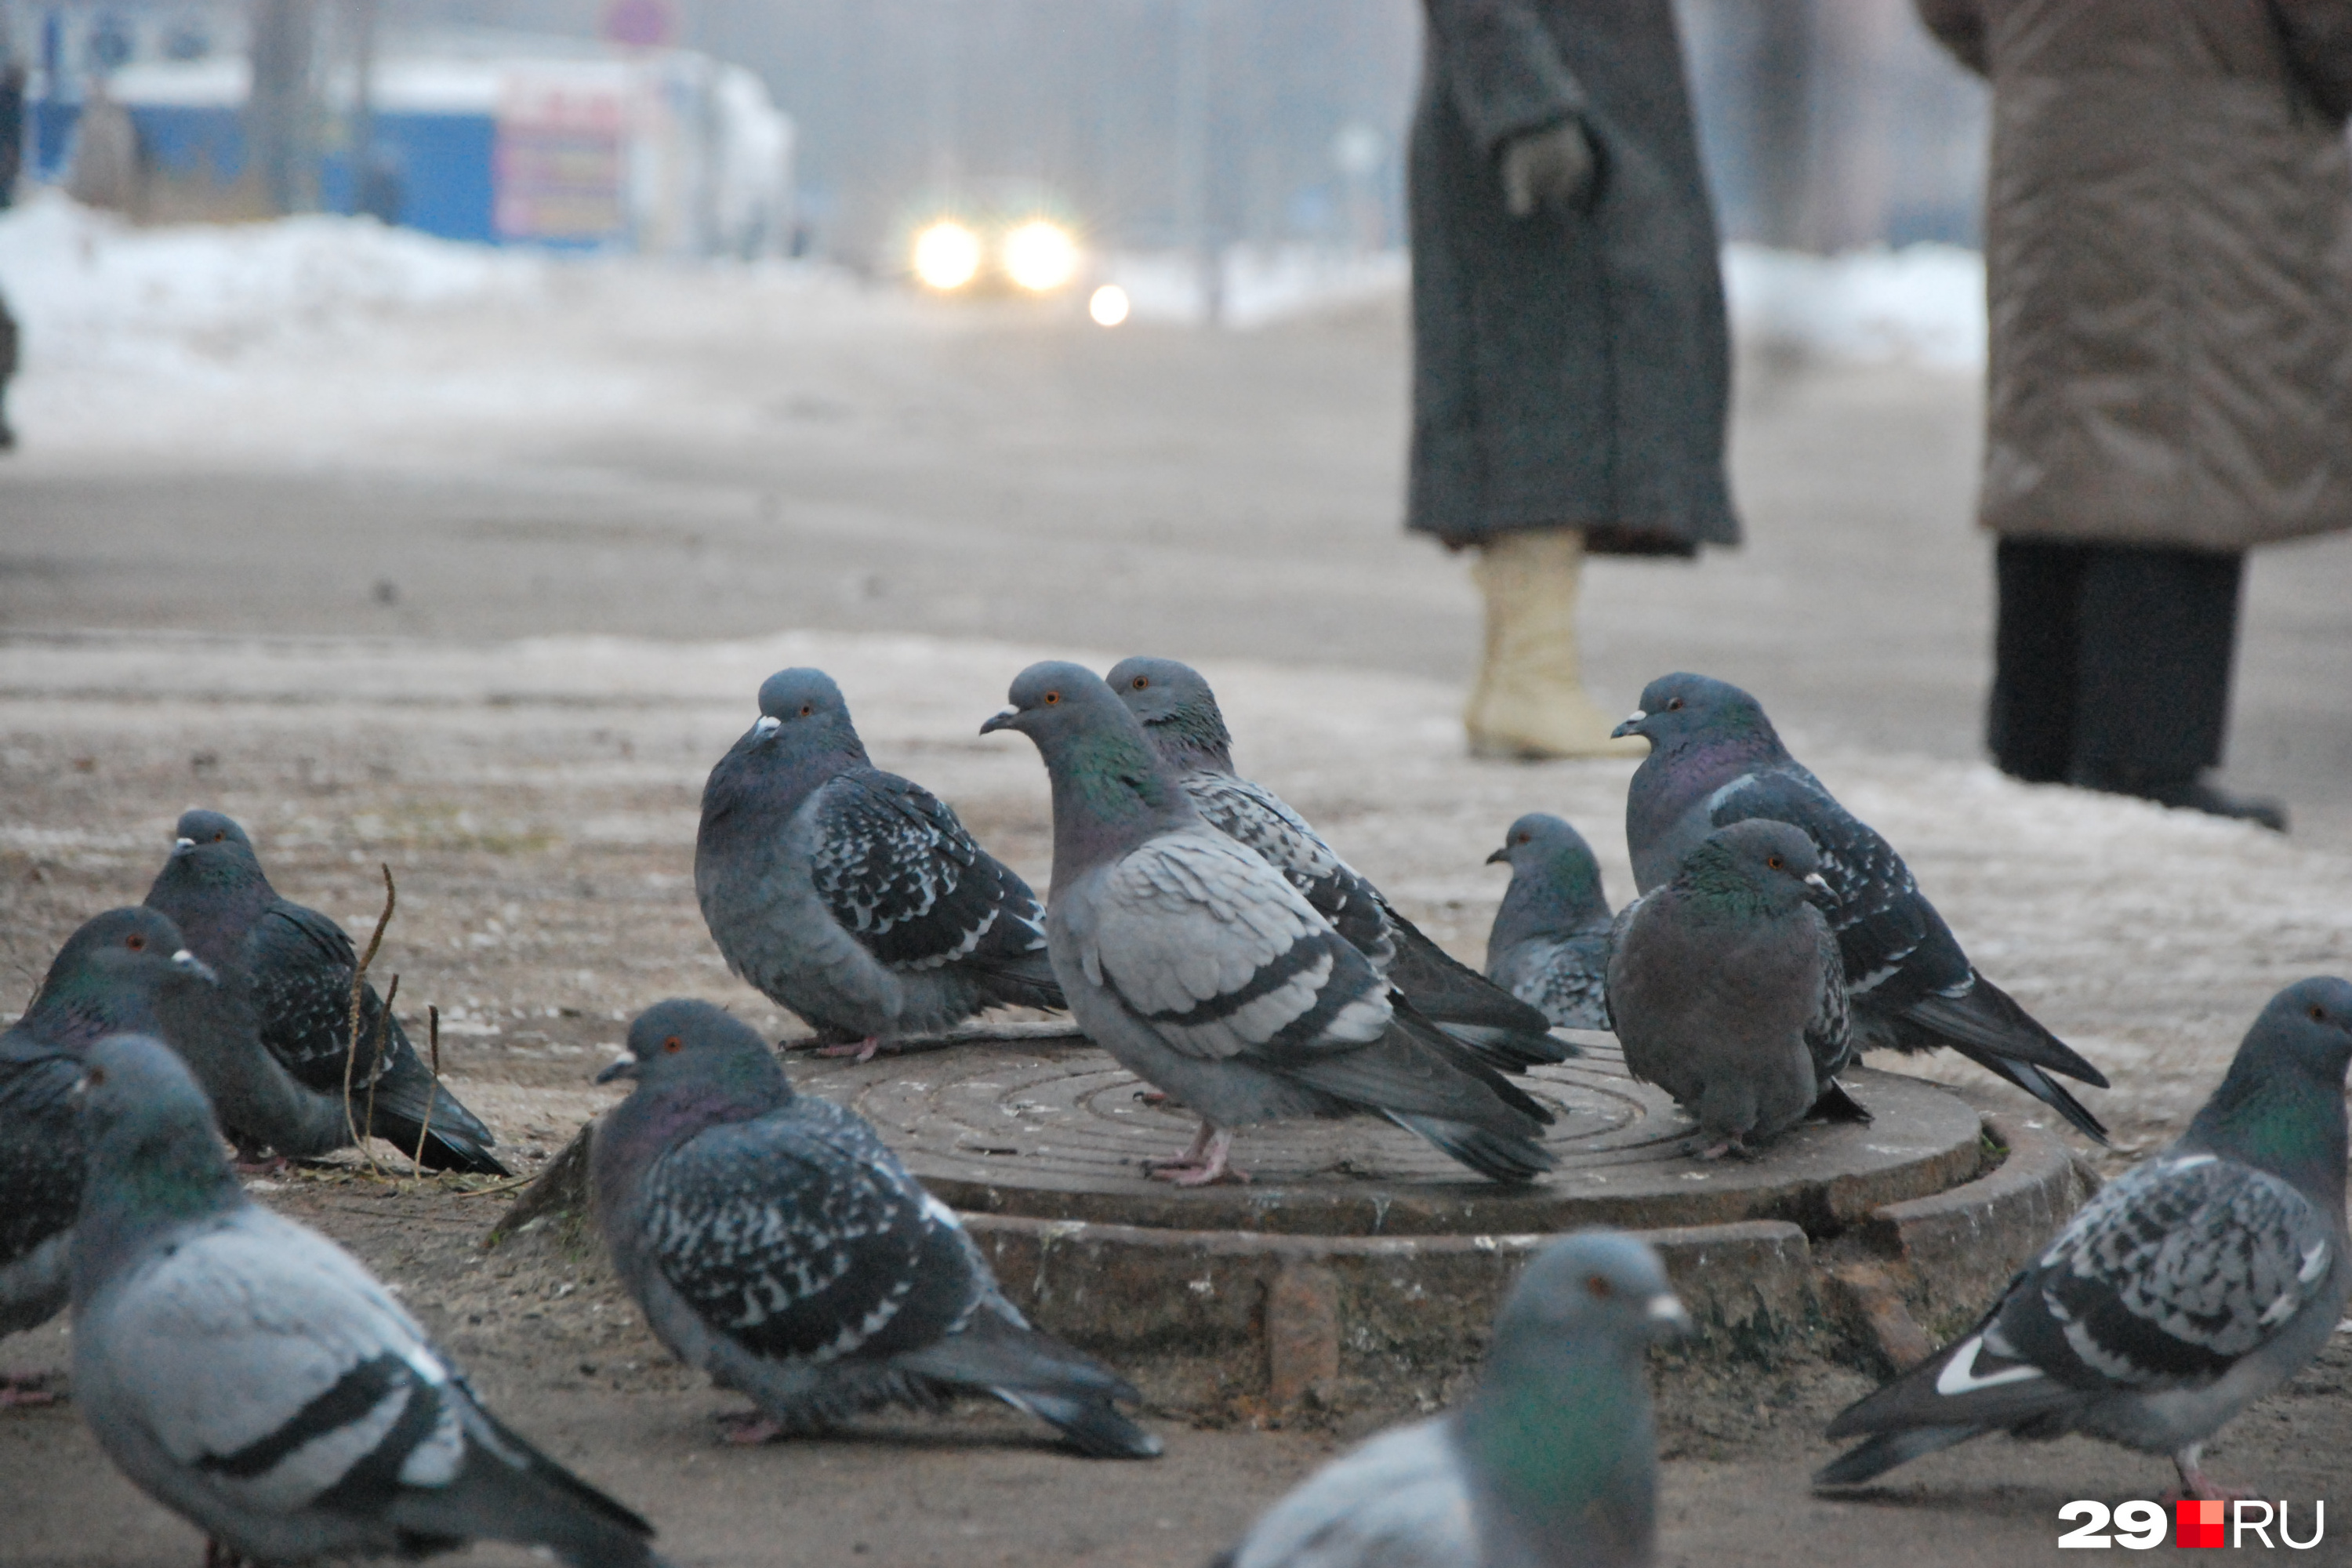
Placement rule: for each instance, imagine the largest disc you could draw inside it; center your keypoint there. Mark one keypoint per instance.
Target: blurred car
(992, 238)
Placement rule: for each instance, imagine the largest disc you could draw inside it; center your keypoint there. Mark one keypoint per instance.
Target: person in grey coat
(1571, 362)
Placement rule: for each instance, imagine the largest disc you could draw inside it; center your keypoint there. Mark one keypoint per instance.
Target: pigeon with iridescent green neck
(1197, 964)
(2188, 1287)
(1715, 759)
(106, 979)
(250, 1375)
(775, 1242)
(1552, 1461)
(1725, 988)
(852, 896)
(1549, 944)
(286, 974)
(1181, 716)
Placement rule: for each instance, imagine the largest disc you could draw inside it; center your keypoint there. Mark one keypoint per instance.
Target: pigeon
(105, 980)
(1181, 716)
(773, 1241)
(289, 969)
(249, 1374)
(1549, 944)
(1552, 1462)
(2189, 1287)
(1198, 966)
(1714, 760)
(852, 896)
(1727, 990)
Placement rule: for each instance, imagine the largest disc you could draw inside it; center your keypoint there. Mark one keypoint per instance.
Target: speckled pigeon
(1549, 944)
(1552, 1461)
(1714, 760)
(248, 1374)
(1205, 972)
(105, 980)
(1726, 990)
(852, 896)
(290, 970)
(2188, 1287)
(775, 1242)
(1181, 716)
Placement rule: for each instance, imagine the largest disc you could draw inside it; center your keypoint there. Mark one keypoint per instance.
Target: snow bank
(92, 291)
(1923, 304)
(1261, 284)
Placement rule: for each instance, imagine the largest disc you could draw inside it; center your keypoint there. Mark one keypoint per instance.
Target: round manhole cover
(1056, 1130)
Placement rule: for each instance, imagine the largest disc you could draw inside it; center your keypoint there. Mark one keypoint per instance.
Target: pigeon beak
(1668, 1317)
(1815, 879)
(625, 1066)
(1003, 721)
(179, 844)
(189, 963)
(1632, 726)
(767, 725)
(1499, 855)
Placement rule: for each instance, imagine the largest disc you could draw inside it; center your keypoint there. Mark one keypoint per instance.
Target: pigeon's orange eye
(2318, 1014)
(1052, 698)
(218, 838)
(1599, 1285)
(138, 943)
(1673, 703)
(807, 709)
(672, 1045)
(1773, 861)
(1141, 681)
(94, 1077)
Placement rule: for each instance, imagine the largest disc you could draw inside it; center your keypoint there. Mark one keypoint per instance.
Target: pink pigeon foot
(1203, 1163)
(2198, 1487)
(275, 1165)
(861, 1049)
(750, 1428)
(28, 1390)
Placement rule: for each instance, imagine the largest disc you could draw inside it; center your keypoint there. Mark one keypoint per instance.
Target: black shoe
(2195, 795)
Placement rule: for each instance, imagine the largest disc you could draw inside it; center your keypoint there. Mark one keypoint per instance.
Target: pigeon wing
(2172, 1274)
(1830, 1036)
(897, 870)
(1254, 816)
(1205, 943)
(791, 1236)
(1399, 1501)
(302, 964)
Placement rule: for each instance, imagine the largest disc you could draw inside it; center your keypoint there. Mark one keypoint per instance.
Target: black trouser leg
(2159, 630)
(2030, 721)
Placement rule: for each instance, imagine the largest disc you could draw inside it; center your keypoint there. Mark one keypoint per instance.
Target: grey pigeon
(1726, 990)
(775, 1242)
(249, 1374)
(1549, 943)
(850, 895)
(1180, 714)
(1714, 760)
(2188, 1287)
(1552, 1461)
(1206, 973)
(289, 969)
(105, 980)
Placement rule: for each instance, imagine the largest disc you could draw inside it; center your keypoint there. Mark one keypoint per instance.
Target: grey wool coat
(1571, 367)
(2168, 266)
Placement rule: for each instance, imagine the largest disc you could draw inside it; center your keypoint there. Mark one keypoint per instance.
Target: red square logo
(2199, 1522)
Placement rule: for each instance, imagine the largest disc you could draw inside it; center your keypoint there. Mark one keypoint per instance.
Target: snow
(1923, 304)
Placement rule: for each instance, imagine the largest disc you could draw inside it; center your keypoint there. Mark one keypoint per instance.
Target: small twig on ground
(359, 990)
(432, 1043)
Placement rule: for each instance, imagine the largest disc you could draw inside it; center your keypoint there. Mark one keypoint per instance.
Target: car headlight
(1040, 256)
(947, 255)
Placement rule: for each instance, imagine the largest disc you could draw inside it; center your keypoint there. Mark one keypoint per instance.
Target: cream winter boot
(1530, 701)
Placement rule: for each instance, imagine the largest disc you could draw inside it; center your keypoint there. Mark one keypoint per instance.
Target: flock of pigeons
(249, 1373)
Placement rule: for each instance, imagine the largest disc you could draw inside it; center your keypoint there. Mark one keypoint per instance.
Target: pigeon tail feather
(1494, 1023)
(1867, 1461)
(1988, 1017)
(1511, 1158)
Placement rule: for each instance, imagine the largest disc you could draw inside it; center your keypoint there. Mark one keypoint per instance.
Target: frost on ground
(537, 801)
